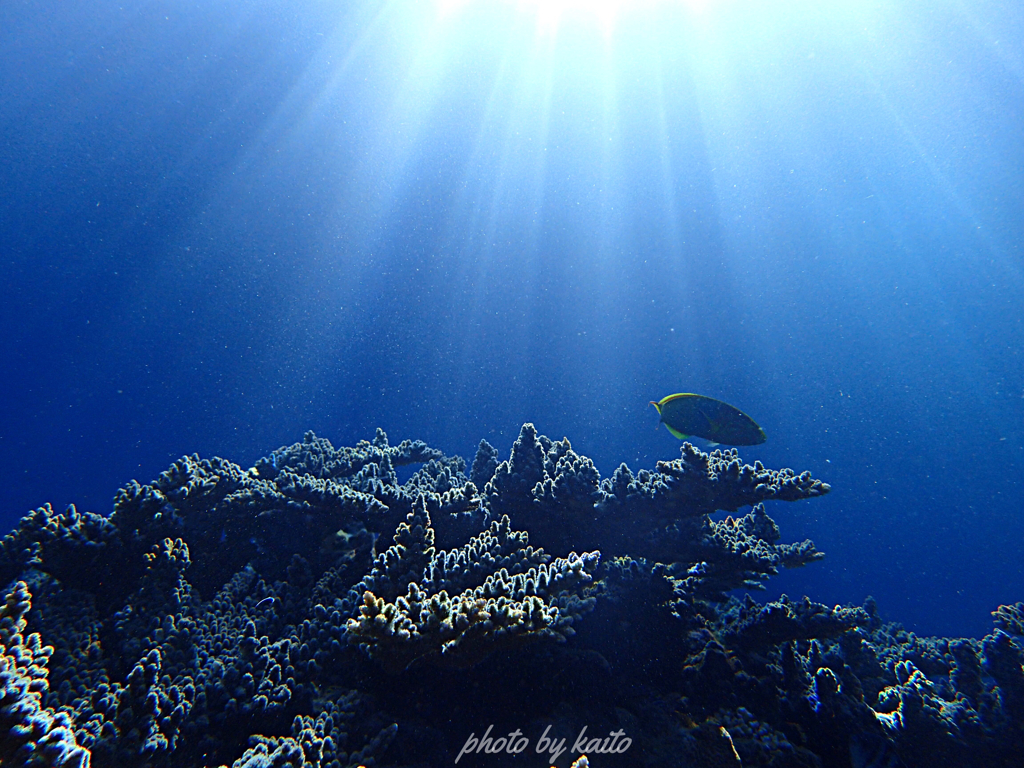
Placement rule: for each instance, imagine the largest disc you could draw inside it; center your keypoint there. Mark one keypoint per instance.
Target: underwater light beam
(550, 13)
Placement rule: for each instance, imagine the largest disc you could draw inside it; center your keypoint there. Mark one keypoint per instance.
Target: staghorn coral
(548, 489)
(155, 674)
(316, 742)
(204, 672)
(700, 483)
(203, 500)
(735, 553)
(501, 591)
(861, 690)
(315, 456)
(68, 545)
(31, 734)
(484, 464)
(1010, 619)
(221, 615)
(749, 625)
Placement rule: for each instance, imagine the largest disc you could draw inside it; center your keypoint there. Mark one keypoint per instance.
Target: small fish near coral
(685, 415)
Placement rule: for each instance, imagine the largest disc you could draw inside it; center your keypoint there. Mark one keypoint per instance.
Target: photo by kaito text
(616, 742)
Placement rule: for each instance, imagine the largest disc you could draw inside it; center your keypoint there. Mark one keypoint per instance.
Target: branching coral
(461, 605)
(31, 734)
(220, 609)
(548, 489)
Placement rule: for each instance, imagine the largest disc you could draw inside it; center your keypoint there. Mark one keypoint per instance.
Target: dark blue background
(223, 224)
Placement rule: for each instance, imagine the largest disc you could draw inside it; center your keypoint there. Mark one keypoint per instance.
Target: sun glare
(550, 14)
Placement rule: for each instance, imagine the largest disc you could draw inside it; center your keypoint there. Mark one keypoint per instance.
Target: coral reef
(463, 604)
(558, 496)
(31, 734)
(315, 611)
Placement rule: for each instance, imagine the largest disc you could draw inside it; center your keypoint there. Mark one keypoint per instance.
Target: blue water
(224, 224)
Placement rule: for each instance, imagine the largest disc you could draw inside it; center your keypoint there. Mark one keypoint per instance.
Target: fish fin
(676, 432)
(712, 428)
(670, 398)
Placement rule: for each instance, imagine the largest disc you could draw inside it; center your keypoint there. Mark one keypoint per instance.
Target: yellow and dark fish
(685, 414)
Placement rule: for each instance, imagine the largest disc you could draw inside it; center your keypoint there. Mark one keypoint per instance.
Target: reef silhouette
(314, 611)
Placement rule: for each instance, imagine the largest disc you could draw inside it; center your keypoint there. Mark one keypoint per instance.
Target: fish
(686, 415)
